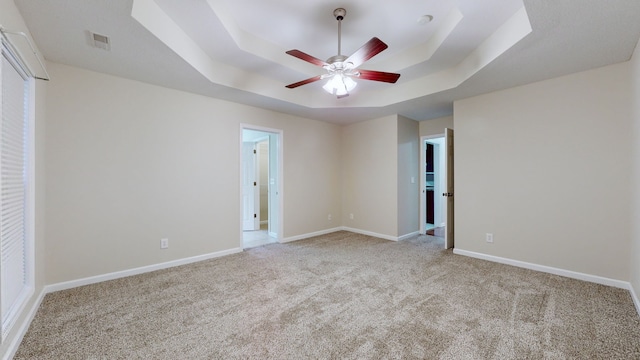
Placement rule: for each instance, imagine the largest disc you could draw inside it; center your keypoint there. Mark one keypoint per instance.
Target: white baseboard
(353, 230)
(263, 222)
(547, 269)
(634, 296)
(345, 228)
(308, 235)
(369, 233)
(22, 330)
(408, 236)
(141, 270)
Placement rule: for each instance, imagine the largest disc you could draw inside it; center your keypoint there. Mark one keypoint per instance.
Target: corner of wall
(369, 185)
(635, 211)
(408, 166)
(435, 126)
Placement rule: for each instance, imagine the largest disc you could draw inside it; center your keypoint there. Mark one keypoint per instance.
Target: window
(16, 209)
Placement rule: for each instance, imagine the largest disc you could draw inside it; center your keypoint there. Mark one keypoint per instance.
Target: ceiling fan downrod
(339, 13)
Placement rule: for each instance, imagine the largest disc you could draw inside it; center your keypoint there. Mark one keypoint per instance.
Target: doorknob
(447, 194)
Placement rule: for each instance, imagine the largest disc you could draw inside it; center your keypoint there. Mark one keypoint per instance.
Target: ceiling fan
(342, 69)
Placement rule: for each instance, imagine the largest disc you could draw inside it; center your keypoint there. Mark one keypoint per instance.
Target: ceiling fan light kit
(339, 85)
(342, 69)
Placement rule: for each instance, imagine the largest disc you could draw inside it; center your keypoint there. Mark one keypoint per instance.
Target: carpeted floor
(338, 296)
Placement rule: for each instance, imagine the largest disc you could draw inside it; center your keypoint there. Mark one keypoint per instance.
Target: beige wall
(380, 157)
(435, 126)
(635, 250)
(370, 176)
(545, 168)
(312, 175)
(129, 163)
(408, 166)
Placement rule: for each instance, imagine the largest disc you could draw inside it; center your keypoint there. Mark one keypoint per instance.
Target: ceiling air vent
(101, 41)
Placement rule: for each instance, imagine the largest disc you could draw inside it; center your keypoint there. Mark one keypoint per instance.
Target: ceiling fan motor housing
(336, 59)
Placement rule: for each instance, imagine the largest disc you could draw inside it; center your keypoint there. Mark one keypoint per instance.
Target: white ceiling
(235, 49)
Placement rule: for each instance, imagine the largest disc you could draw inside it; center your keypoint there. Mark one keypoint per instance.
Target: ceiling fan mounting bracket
(339, 13)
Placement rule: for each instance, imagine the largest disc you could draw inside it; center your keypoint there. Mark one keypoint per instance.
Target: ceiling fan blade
(366, 52)
(304, 82)
(306, 57)
(378, 76)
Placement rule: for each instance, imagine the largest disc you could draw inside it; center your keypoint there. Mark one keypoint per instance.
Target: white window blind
(14, 283)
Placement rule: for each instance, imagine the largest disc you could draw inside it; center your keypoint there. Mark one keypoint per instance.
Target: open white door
(250, 193)
(448, 148)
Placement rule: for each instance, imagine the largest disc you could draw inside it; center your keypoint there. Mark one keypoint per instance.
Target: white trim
(17, 51)
(369, 233)
(408, 236)
(8, 321)
(12, 348)
(262, 222)
(30, 250)
(136, 271)
(634, 296)
(547, 269)
(309, 235)
(345, 228)
(22, 300)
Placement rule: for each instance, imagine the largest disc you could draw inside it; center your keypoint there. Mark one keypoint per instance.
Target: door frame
(423, 179)
(277, 229)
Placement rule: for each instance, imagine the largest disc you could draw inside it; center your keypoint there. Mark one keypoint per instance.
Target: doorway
(261, 186)
(434, 215)
(436, 178)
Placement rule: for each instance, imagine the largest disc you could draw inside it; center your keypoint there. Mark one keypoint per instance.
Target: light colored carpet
(339, 296)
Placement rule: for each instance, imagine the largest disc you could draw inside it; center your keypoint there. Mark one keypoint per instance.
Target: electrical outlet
(351, 216)
(164, 243)
(329, 217)
(489, 238)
